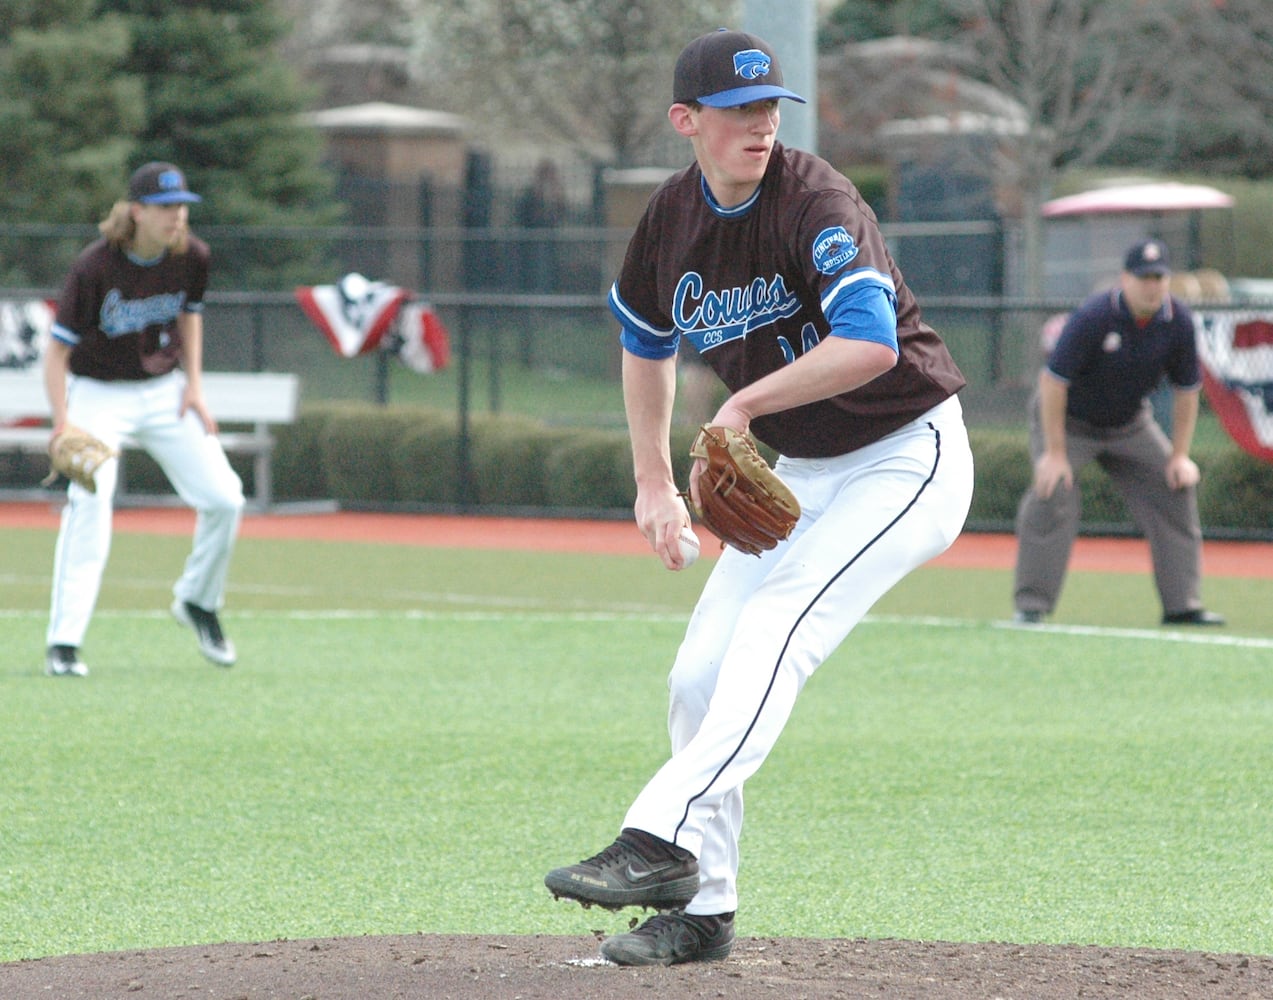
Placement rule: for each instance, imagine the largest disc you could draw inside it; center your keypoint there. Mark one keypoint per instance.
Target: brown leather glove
(77, 454)
(741, 499)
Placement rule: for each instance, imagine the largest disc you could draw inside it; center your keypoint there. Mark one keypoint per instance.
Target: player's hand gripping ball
(689, 547)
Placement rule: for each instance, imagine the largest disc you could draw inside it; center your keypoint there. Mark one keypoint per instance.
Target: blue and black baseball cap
(726, 69)
(159, 184)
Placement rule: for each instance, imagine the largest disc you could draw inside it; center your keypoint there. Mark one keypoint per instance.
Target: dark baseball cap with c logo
(726, 69)
(159, 184)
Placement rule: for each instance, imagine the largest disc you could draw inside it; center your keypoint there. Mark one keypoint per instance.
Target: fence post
(463, 457)
(381, 375)
(258, 339)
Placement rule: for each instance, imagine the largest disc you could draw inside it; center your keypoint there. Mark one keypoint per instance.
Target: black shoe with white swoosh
(673, 938)
(207, 628)
(638, 869)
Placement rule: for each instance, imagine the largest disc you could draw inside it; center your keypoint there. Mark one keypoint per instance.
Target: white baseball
(689, 547)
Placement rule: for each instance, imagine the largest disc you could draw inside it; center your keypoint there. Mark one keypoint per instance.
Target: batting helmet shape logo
(751, 63)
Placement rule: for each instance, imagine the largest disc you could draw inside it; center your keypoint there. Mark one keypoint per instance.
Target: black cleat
(672, 938)
(64, 661)
(207, 628)
(1195, 616)
(638, 869)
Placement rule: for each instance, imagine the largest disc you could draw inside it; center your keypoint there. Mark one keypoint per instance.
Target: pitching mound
(442, 967)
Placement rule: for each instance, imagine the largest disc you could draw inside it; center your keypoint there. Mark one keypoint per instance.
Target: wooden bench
(256, 398)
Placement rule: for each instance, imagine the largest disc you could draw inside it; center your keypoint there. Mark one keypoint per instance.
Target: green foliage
(864, 20)
(41, 14)
(222, 104)
(90, 94)
(509, 461)
(412, 455)
(1001, 465)
(424, 459)
(872, 181)
(1102, 503)
(1235, 492)
(69, 112)
(681, 439)
(297, 475)
(357, 446)
(591, 469)
(363, 454)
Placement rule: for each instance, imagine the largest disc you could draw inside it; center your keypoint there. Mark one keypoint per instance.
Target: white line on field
(528, 612)
(1206, 637)
(302, 593)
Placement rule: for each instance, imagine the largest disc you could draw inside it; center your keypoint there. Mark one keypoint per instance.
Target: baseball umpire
(769, 263)
(126, 358)
(1092, 405)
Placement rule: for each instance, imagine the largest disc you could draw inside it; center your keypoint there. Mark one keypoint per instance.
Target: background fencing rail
(997, 342)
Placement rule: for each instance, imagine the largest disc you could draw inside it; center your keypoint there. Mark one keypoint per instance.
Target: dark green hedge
(1235, 496)
(360, 454)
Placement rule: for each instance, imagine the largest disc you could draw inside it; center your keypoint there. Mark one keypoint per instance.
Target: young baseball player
(772, 266)
(1092, 404)
(126, 358)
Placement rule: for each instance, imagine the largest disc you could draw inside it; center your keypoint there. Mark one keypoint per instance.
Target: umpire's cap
(1148, 257)
(159, 184)
(726, 69)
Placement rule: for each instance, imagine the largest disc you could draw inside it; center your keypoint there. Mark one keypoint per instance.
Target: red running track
(973, 551)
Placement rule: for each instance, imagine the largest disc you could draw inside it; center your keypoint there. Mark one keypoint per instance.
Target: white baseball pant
(763, 625)
(195, 464)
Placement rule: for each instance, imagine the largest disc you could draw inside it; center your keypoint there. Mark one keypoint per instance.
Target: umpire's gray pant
(1134, 456)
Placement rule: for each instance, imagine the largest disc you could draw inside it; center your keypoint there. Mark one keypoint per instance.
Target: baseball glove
(743, 502)
(77, 454)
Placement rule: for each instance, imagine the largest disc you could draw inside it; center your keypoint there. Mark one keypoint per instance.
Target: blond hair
(120, 228)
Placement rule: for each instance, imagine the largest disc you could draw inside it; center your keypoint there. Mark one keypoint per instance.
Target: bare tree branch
(593, 74)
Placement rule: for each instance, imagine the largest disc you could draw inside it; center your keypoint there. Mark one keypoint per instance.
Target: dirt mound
(443, 967)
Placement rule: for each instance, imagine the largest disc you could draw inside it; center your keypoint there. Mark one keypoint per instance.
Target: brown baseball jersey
(755, 286)
(119, 314)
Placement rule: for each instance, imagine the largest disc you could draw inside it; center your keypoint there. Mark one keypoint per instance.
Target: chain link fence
(518, 299)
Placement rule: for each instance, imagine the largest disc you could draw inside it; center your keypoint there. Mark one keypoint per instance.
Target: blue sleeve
(863, 306)
(639, 337)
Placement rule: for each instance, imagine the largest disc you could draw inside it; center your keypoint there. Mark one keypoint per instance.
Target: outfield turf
(412, 737)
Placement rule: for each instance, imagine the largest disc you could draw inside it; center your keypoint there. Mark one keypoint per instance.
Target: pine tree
(90, 90)
(68, 111)
(224, 106)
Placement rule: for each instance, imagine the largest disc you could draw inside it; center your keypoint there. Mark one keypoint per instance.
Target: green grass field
(412, 737)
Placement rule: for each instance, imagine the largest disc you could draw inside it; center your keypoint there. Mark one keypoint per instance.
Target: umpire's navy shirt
(1111, 363)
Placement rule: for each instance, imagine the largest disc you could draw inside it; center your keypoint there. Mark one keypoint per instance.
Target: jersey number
(808, 341)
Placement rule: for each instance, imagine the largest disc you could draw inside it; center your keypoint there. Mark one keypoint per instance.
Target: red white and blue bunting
(358, 316)
(1236, 353)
